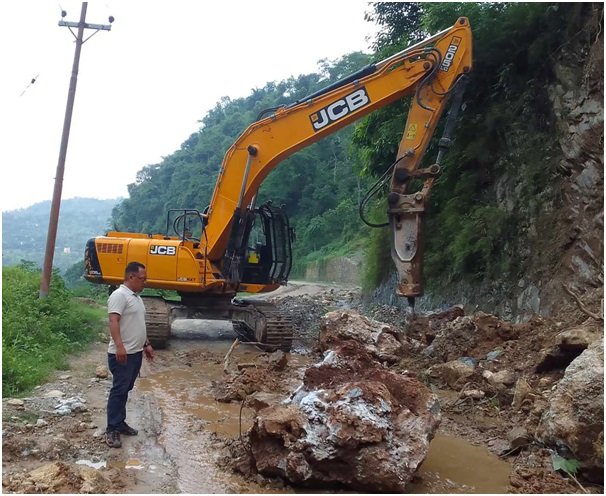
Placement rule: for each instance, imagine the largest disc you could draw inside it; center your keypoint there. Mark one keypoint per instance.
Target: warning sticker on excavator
(412, 131)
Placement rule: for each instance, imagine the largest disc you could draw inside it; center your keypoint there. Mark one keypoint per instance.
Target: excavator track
(264, 323)
(157, 320)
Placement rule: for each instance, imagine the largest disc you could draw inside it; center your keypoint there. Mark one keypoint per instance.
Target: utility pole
(56, 202)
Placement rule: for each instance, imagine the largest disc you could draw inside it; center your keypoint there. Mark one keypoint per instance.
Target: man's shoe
(127, 430)
(112, 438)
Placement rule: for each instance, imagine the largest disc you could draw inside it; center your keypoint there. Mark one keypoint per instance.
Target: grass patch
(38, 334)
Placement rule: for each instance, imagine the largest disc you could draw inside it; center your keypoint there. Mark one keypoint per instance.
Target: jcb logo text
(162, 250)
(339, 109)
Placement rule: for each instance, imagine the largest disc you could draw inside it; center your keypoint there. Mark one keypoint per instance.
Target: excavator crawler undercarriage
(255, 320)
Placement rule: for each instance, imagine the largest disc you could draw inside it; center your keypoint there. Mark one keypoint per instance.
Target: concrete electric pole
(56, 202)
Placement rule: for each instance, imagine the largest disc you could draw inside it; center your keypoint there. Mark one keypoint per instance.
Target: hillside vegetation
(492, 208)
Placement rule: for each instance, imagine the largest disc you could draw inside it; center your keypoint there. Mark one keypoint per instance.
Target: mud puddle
(455, 466)
(192, 427)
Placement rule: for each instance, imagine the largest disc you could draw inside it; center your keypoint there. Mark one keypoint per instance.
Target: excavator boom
(428, 70)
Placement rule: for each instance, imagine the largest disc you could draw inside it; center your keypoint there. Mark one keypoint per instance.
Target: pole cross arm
(86, 25)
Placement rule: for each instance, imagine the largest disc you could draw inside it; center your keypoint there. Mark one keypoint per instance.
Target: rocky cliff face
(560, 236)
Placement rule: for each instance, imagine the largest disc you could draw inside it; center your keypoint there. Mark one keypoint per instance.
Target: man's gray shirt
(131, 309)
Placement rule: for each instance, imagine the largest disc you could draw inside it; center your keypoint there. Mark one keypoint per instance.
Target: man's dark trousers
(125, 376)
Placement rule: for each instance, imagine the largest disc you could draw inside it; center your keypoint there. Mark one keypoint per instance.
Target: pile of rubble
(550, 380)
(354, 421)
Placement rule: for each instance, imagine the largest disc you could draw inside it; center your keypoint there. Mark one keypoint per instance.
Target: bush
(38, 333)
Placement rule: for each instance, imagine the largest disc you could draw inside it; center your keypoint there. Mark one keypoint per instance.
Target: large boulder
(384, 342)
(575, 415)
(353, 422)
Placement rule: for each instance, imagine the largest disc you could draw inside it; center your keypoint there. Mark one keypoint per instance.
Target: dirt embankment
(501, 388)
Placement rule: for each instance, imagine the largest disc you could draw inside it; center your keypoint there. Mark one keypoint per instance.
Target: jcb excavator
(207, 256)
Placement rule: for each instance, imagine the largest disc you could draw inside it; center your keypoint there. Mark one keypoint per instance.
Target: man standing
(126, 347)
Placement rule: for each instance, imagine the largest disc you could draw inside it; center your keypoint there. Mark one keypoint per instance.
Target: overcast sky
(144, 85)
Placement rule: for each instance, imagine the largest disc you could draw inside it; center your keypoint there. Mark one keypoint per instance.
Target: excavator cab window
(187, 224)
(269, 250)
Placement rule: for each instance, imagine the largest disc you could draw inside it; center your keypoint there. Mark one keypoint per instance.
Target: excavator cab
(260, 247)
(269, 247)
(263, 251)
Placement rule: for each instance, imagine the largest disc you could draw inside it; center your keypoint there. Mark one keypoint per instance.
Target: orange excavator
(207, 256)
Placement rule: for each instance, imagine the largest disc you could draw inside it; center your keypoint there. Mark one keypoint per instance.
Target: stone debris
(518, 438)
(55, 393)
(474, 394)
(452, 373)
(353, 421)
(15, 402)
(260, 400)
(475, 336)
(384, 342)
(71, 405)
(426, 327)
(277, 360)
(521, 391)
(577, 338)
(501, 378)
(575, 415)
(101, 372)
(60, 477)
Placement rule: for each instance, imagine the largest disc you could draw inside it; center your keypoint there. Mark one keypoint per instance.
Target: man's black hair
(133, 268)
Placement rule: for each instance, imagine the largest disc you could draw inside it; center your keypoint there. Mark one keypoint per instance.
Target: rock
(452, 373)
(277, 360)
(501, 378)
(575, 415)
(518, 437)
(473, 336)
(474, 394)
(429, 325)
(55, 393)
(493, 355)
(41, 423)
(16, 402)
(521, 391)
(577, 338)
(471, 362)
(101, 372)
(529, 300)
(70, 405)
(498, 446)
(260, 400)
(353, 422)
(381, 340)
(65, 377)
(60, 477)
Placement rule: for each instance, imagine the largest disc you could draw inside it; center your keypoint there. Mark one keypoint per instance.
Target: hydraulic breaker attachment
(406, 210)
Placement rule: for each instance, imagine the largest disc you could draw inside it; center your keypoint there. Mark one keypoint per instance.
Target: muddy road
(185, 432)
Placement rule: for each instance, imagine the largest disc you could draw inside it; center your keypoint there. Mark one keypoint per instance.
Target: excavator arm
(428, 71)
